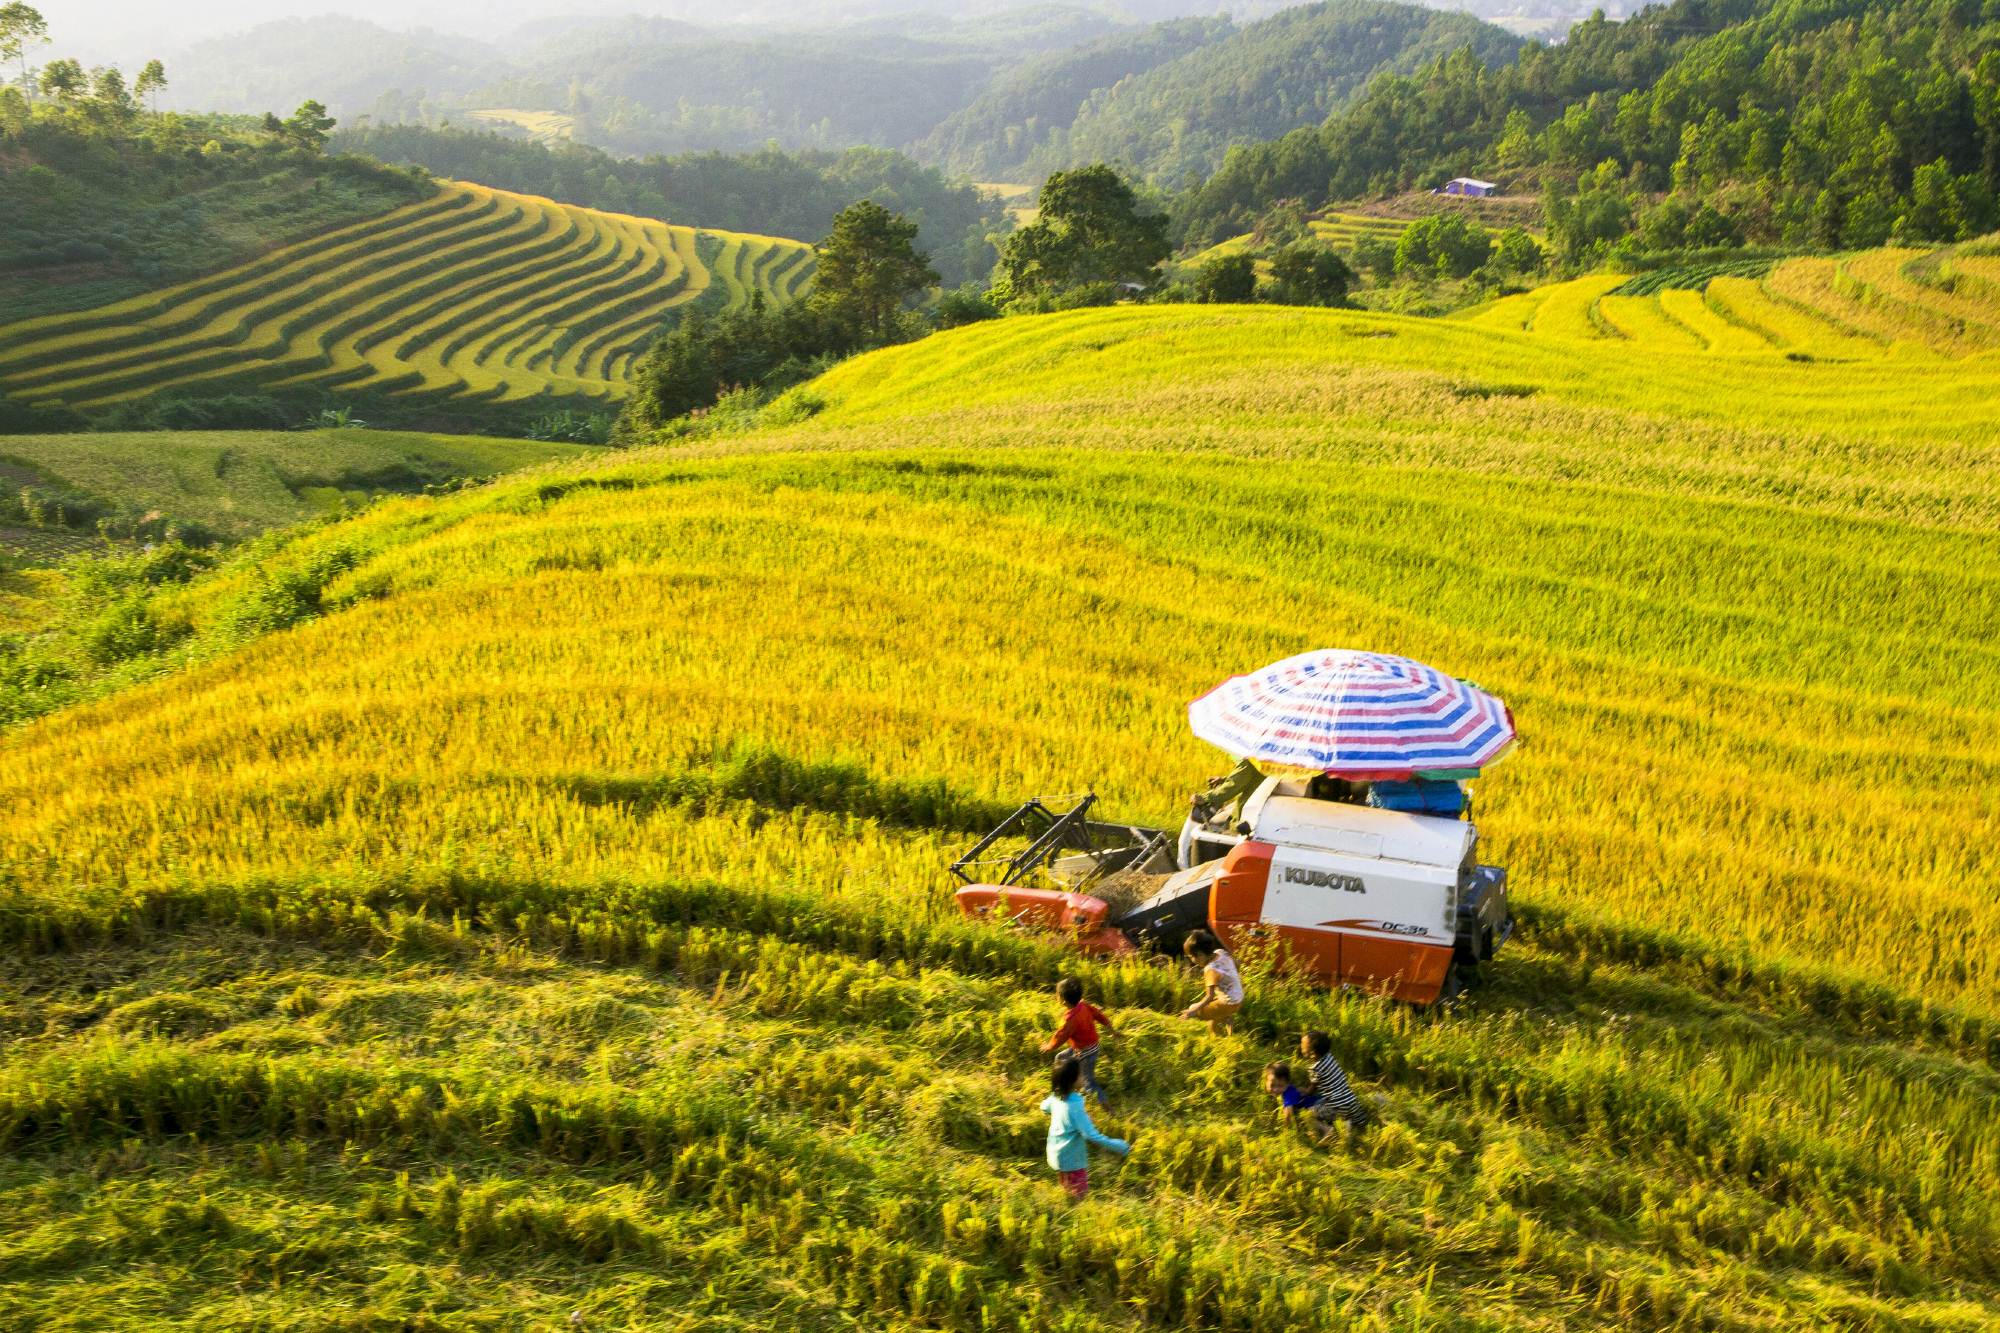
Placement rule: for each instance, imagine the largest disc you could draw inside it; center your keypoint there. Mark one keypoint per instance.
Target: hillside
(231, 485)
(1900, 303)
(1701, 122)
(90, 218)
(1022, 108)
(1168, 101)
(637, 84)
(527, 905)
(344, 62)
(474, 292)
(770, 192)
(1173, 123)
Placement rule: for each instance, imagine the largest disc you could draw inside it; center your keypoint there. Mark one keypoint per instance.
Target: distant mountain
(885, 84)
(1174, 122)
(343, 62)
(640, 84)
(1024, 107)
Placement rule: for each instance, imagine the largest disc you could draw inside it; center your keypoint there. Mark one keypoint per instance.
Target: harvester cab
(1356, 892)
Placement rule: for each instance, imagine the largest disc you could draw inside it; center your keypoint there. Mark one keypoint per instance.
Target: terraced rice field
(1342, 230)
(474, 293)
(1902, 303)
(550, 928)
(541, 126)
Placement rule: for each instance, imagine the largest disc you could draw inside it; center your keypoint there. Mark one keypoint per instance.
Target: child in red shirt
(1079, 1028)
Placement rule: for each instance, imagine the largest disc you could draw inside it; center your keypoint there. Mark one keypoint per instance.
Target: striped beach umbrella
(1355, 715)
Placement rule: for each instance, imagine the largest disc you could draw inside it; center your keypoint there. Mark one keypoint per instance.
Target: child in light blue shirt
(1070, 1130)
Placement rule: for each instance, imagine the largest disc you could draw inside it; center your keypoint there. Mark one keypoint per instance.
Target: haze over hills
(133, 30)
(1022, 92)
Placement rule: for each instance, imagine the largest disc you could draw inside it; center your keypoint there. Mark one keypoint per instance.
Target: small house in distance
(1467, 185)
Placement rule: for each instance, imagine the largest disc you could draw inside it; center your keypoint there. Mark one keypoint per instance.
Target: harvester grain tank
(1343, 837)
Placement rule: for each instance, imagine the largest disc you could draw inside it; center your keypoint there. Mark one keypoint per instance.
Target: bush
(125, 630)
(967, 305)
(1310, 274)
(693, 366)
(1226, 280)
(19, 418)
(279, 599)
(1444, 245)
(572, 427)
(1515, 251)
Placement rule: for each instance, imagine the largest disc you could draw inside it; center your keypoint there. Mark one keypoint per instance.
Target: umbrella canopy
(1355, 715)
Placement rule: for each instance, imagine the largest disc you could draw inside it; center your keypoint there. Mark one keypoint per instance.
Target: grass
(425, 300)
(241, 483)
(551, 917)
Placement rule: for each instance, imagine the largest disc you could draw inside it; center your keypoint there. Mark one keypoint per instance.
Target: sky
(130, 32)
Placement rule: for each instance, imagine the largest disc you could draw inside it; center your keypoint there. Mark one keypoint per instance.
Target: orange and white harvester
(1390, 901)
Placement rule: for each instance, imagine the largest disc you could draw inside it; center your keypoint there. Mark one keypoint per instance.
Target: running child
(1080, 1025)
(1070, 1130)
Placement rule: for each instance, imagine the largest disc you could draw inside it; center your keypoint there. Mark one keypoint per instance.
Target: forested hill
(1173, 123)
(1823, 122)
(771, 192)
(993, 138)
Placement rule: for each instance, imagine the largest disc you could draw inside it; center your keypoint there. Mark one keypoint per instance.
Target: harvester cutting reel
(1074, 850)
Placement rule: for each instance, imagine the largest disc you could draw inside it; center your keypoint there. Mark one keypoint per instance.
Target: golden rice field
(552, 930)
(1900, 303)
(1340, 230)
(474, 292)
(541, 126)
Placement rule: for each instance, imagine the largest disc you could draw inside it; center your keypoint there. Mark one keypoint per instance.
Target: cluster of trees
(98, 99)
(1445, 246)
(1842, 122)
(1090, 244)
(869, 276)
(769, 192)
(1451, 245)
(1302, 273)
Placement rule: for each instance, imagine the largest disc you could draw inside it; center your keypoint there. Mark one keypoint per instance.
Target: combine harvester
(1343, 837)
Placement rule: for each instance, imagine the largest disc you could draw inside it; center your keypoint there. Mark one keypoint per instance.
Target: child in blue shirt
(1070, 1130)
(1292, 1099)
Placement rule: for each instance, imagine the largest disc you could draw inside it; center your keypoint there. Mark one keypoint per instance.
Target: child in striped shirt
(1334, 1099)
(1079, 1028)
